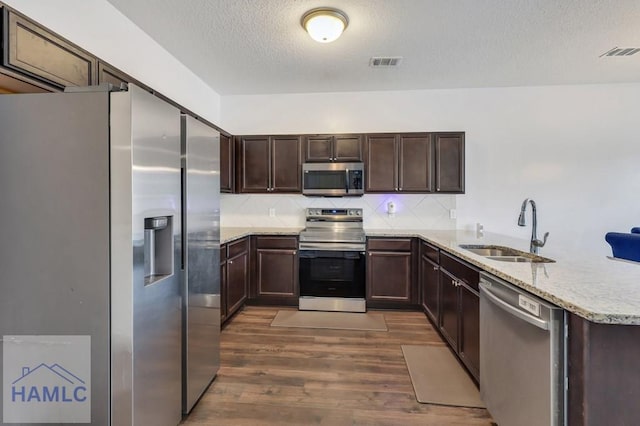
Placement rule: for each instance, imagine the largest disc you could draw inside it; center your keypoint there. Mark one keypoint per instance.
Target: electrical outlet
(272, 212)
(452, 214)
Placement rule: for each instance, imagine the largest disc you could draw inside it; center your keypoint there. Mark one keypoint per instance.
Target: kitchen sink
(505, 254)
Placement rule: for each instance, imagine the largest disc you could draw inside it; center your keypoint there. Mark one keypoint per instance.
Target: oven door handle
(307, 254)
(329, 254)
(355, 247)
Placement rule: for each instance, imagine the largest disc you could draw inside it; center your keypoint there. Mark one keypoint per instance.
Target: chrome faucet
(535, 242)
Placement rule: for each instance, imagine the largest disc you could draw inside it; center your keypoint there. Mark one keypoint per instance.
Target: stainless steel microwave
(333, 179)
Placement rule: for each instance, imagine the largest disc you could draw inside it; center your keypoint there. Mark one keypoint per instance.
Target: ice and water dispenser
(158, 248)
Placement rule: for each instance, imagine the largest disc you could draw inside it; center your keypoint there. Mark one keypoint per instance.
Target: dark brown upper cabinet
(31, 50)
(449, 162)
(226, 164)
(270, 164)
(332, 148)
(399, 163)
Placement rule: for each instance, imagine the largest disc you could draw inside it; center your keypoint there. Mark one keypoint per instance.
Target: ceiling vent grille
(385, 61)
(621, 51)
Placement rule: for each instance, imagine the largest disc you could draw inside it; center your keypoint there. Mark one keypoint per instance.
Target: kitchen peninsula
(598, 293)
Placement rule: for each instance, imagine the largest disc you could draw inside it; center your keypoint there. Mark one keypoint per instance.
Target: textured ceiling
(259, 47)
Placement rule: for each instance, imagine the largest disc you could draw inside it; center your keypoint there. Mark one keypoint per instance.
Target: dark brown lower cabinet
(390, 272)
(449, 308)
(223, 283)
(604, 377)
(430, 282)
(276, 263)
(460, 310)
(235, 277)
(469, 337)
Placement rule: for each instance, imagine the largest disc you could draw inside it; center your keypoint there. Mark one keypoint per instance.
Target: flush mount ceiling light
(324, 24)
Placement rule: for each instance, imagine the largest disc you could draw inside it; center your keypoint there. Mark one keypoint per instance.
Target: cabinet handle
(230, 262)
(435, 268)
(294, 252)
(455, 284)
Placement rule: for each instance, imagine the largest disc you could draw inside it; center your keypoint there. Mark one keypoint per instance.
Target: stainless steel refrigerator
(201, 236)
(91, 255)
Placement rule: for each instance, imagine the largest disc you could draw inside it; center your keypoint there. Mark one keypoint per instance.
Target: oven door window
(332, 273)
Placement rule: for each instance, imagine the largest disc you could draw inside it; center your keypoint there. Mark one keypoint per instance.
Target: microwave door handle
(346, 181)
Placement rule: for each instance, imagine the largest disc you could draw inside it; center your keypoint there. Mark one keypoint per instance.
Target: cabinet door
(449, 308)
(108, 74)
(430, 288)
(347, 148)
(237, 282)
(277, 271)
(285, 164)
(223, 282)
(381, 163)
(389, 276)
(226, 164)
(415, 163)
(223, 292)
(318, 148)
(470, 330)
(32, 50)
(449, 152)
(256, 166)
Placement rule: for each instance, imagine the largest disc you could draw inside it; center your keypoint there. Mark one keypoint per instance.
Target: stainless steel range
(332, 261)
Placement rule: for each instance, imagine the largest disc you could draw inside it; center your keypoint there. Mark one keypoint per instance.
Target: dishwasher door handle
(486, 291)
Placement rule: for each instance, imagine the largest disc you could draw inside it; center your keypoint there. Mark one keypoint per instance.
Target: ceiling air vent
(385, 61)
(621, 51)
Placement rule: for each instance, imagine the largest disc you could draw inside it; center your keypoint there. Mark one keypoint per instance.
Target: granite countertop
(594, 287)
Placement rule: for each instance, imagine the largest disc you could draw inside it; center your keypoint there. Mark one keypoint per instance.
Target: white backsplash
(413, 211)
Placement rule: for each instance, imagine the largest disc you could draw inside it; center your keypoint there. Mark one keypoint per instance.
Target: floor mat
(368, 321)
(438, 378)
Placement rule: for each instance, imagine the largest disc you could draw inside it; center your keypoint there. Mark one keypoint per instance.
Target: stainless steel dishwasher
(522, 356)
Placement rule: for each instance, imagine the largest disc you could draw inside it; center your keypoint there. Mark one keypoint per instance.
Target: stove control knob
(352, 212)
(358, 212)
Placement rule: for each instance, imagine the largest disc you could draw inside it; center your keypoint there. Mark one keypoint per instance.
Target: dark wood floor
(295, 376)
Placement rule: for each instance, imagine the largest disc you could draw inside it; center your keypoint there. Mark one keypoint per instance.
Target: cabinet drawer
(223, 253)
(33, 50)
(430, 252)
(460, 270)
(389, 244)
(237, 247)
(277, 242)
